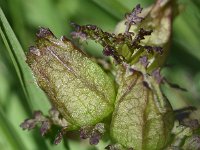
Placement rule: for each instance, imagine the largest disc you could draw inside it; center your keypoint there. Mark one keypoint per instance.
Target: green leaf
(34, 96)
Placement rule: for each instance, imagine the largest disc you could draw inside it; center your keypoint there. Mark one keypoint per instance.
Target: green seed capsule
(76, 86)
(142, 118)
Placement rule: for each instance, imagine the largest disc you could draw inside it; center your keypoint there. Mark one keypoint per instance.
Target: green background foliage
(19, 96)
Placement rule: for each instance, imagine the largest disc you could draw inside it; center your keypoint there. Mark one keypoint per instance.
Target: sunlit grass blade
(34, 95)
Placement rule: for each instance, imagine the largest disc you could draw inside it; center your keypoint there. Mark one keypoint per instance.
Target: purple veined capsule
(80, 90)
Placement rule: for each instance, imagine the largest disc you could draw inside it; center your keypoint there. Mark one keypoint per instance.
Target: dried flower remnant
(144, 61)
(60, 135)
(133, 18)
(157, 18)
(44, 122)
(31, 123)
(121, 46)
(94, 133)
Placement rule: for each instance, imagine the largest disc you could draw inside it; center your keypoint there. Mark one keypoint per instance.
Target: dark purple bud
(144, 61)
(94, 133)
(108, 51)
(133, 18)
(100, 127)
(94, 139)
(28, 124)
(149, 49)
(91, 27)
(34, 50)
(140, 36)
(45, 127)
(76, 26)
(143, 33)
(129, 35)
(54, 113)
(157, 76)
(31, 123)
(158, 50)
(85, 133)
(37, 114)
(58, 138)
(39, 117)
(45, 123)
(44, 32)
(79, 35)
(137, 9)
(60, 135)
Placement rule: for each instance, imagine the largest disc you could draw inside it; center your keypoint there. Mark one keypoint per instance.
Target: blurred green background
(19, 96)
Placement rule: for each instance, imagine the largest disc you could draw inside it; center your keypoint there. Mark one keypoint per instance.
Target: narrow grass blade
(34, 95)
(9, 140)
